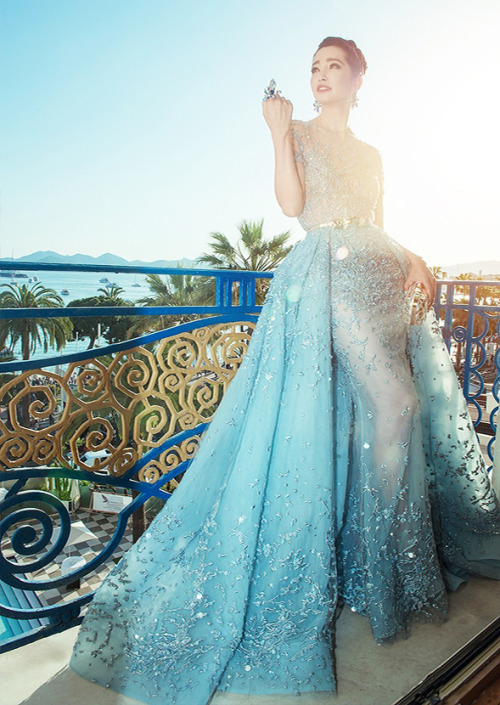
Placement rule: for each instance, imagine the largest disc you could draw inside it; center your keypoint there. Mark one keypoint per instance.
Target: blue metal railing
(224, 281)
(61, 616)
(468, 334)
(476, 305)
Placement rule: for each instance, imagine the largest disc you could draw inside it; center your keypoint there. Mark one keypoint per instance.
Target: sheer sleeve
(295, 136)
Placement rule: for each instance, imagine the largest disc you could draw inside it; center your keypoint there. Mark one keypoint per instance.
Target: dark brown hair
(354, 56)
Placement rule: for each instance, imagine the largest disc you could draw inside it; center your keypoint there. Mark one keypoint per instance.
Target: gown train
(340, 466)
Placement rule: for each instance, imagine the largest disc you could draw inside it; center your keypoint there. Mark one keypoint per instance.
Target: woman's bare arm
(419, 272)
(288, 174)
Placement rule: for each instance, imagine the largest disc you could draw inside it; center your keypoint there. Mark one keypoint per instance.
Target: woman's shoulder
(298, 126)
(299, 132)
(299, 129)
(369, 148)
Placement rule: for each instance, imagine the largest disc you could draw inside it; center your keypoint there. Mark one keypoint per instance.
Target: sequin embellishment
(339, 468)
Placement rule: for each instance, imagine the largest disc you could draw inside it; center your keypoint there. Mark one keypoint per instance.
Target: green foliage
(438, 272)
(59, 486)
(82, 326)
(113, 328)
(252, 253)
(6, 377)
(111, 291)
(174, 290)
(32, 332)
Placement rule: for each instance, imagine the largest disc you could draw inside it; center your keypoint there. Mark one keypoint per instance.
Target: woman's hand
(420, 273)
(278, 115)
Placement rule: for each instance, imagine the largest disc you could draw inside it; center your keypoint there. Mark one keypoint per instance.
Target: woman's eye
(335, 66)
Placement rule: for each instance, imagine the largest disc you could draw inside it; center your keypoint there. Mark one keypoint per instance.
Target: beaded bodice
(342, 181)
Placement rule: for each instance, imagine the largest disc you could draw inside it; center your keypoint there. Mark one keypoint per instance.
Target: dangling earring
(354, 100)
(317, 106)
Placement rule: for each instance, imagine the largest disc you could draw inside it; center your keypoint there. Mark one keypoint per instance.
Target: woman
(333, 471)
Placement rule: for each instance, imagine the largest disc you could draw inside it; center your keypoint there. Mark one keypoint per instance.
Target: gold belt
(343, 223)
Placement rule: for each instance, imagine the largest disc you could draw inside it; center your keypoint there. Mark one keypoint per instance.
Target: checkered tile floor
(103, 526)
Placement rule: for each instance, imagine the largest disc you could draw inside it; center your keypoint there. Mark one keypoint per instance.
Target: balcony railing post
(448, 314)
(469, 340)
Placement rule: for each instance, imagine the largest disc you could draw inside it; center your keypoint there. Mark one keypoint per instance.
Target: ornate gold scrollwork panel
(121, 406)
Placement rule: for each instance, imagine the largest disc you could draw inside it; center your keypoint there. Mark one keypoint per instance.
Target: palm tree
(6, 377)
(111, 291)
(438, 272)
(32, 332)
(467, 276)
(176, 290)
(112, 328)
(252, 252)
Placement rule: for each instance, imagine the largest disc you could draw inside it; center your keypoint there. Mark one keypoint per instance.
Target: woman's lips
(323, 88)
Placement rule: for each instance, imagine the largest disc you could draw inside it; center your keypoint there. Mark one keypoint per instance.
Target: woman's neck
(334, 119)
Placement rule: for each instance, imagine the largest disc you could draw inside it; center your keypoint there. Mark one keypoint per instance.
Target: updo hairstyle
(354, 56)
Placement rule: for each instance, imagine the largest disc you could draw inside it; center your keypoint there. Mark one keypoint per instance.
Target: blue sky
(135, 126)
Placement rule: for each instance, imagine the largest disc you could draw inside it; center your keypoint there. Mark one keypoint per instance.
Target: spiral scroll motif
(480, 324)
(170, 460)
(34, 543)
(122, 405)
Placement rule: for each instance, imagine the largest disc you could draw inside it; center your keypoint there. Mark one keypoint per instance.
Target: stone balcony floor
(367, 673)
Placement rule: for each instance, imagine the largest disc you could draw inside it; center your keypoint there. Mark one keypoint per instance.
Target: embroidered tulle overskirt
(341, 463)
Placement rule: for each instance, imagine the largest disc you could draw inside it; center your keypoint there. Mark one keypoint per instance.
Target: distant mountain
(480, 268)
(108, 259)
(184, 262)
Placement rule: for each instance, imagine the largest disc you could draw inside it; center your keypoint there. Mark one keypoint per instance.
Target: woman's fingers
(428, 285)
(276, 105)
(420, 274)
(277, 99)
(277, 113)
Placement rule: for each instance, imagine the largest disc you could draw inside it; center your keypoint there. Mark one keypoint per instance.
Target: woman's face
(331, 76)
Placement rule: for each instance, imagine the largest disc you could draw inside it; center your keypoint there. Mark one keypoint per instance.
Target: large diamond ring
(271, 91)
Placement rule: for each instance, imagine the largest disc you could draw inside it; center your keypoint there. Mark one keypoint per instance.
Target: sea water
(81, 285)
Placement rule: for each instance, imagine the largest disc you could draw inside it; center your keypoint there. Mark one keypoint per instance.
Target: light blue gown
(340, 466)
